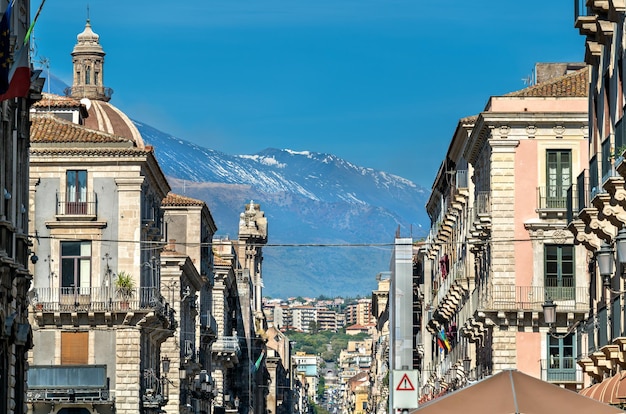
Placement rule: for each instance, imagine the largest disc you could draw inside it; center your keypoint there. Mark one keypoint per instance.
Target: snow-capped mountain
(330, 222)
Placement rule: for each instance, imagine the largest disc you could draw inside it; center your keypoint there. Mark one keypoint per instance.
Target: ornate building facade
(15, 277)
(95, 194)
(597, 212)
(498, 245)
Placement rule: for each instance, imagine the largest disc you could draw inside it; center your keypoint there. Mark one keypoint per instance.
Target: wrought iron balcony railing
(553, 198)
(76, 383)
(571, 203)
(531, 298)
(89, 90)
(581, 9)
(227, 344)
(69, 206)
(97, 299)
(482, 203)
(561, 370)
(585, 191)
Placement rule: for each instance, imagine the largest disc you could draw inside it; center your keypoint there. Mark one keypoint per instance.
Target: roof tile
(572, 85)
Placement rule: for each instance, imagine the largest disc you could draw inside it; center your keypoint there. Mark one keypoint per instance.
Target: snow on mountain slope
(350, 213)
(309, 198)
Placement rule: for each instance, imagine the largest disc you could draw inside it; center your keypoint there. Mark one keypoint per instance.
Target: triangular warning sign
(405, 384)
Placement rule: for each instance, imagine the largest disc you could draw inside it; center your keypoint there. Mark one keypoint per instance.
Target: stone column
(128, 373)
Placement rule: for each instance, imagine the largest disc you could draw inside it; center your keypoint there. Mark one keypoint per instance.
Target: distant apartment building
(359, 313)
(307, 371)
(303, 317)
(326, 319)
(283, 318)
(341, 320)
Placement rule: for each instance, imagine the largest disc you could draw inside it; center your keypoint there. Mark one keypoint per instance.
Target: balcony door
(561, 359)
(558, 177)
(75, 272)
(76, 192)
(559, 271)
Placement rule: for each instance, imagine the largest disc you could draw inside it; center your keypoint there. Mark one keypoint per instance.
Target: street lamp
(620, 244)
(549, 312)
(165, 363)
(549, 316)
(605, 260)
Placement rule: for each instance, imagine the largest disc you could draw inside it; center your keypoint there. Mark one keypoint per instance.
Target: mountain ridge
(331, 222)
(317, 204)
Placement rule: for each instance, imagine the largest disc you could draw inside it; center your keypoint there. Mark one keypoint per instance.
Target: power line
(304, 244)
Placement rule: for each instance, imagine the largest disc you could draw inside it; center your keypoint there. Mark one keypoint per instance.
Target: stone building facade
(597, 213)
(498, 245)
(15, 241)
(98, 314)
(187, 284)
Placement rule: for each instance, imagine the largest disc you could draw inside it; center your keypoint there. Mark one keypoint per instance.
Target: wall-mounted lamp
(165, 363)
(605, 260)
(549, 316)
(620, 245)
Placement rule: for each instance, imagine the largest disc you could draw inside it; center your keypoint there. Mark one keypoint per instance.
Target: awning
(610, 391)
(511, 391)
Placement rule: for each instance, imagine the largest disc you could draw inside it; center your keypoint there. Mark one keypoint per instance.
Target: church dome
(107, 118)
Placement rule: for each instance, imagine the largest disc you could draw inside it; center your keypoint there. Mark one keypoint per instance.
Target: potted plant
(125, 287)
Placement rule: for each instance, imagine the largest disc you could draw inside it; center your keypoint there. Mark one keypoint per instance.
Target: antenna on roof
(530, 80)
(45, 63)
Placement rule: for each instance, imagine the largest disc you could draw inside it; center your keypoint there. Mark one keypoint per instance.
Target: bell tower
(88, 60)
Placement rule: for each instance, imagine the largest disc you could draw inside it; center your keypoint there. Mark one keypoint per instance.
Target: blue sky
(380, 83)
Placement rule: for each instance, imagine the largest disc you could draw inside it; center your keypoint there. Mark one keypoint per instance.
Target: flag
(257, 364)
(444, 340)
(32, 25)
(5, 49)
(19, 76)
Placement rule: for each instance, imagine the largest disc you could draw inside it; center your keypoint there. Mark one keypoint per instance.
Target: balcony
(208, 323)
(155, 390)
(571, 203)
(452, 288)
(561, 370)
(227, 347)
(68, 383)
(76, 210)
(96, 299)
(90, 91)
(482, 204)
(531, 298)
(552, 201)
(581, 9)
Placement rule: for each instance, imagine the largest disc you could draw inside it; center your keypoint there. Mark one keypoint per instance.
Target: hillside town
(117, 295)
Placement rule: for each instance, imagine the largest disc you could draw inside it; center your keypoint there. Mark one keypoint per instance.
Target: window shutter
(74, 348)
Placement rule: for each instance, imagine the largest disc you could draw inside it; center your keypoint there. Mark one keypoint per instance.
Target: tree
(314, 327)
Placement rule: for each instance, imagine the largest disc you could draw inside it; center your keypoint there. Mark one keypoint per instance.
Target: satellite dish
(86, 102)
